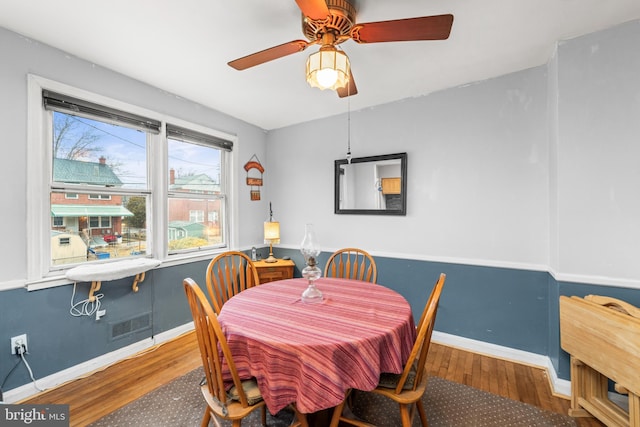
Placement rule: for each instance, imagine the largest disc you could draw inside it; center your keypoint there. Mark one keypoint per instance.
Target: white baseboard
(85, 368)
(559, 386)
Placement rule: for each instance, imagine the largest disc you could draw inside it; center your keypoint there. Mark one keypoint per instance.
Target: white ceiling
(183, 47)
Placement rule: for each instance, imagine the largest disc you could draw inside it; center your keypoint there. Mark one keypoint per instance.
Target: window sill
(59, 278)
(112, 270)
(97, 273)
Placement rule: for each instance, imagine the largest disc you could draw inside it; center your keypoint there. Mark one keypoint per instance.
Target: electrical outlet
(17, 341)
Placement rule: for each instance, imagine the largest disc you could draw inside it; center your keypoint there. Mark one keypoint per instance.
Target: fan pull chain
(348, 122)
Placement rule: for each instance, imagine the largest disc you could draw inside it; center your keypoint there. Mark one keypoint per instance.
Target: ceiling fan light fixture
(328, 68)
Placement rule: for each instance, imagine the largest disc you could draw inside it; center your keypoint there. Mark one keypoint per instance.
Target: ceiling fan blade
(349, 89)
(435, 27)
(316, 10)
(269, 54)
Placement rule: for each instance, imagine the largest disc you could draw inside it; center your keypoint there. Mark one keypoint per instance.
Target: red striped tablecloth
(311, 354)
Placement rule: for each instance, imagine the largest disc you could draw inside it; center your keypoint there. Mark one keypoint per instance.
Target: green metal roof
(78, 172)
(198, 183)
(187, 225)
(89, 210)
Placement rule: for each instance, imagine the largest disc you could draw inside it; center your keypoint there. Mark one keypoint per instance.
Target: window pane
(194, 220)
(92, 152)
(186, 231)
(86, 229)
(193, 168)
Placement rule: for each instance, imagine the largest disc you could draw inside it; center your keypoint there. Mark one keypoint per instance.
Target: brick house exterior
(91, 215)
(189, 217)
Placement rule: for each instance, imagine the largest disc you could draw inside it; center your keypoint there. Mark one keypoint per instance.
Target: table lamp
(271, 234)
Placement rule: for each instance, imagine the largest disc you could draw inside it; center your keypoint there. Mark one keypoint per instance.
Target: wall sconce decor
(254, 181)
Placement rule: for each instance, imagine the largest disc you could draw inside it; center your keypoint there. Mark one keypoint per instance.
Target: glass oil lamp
(310, 250)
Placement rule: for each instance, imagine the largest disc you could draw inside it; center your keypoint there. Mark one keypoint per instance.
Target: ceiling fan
(332, 22)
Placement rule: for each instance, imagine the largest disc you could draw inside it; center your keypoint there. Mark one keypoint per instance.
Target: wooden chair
(408, 387)
(228, 274)
(244, 397)
(352, 263)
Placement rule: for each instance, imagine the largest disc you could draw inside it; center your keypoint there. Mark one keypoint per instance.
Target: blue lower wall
(508, 307)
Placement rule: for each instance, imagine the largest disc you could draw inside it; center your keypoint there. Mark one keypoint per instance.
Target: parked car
(112, 238)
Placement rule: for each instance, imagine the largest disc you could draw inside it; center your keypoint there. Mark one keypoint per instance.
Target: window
(196, 189)
(99, 161)
(106, 157)
(196, 216)
(99, 222)
(100, 196)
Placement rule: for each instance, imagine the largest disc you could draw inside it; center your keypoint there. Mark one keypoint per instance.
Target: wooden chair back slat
(228, 274)
(215, 353)
(352, 263)
(409, 398)
(212, 343)
(424, 330)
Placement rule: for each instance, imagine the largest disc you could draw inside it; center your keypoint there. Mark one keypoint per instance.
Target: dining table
(310, 355)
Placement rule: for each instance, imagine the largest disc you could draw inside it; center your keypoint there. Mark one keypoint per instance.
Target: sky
(125, 150)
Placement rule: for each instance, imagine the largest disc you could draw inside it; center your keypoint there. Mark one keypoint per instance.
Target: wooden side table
(272, 271)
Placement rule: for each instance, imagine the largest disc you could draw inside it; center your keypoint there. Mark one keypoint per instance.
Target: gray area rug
(448, 404)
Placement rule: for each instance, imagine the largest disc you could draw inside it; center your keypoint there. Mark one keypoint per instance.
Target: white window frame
(40, 274)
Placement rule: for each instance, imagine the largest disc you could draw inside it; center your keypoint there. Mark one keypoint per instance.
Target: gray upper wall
(598, 172)
(477, 174)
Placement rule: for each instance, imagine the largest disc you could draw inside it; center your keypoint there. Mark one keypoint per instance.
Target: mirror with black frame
(374, 185)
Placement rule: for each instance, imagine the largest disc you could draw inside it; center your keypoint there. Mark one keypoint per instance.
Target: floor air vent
(129, 326)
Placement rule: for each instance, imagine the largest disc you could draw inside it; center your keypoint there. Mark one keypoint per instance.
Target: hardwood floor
(92, 397)
(508, 379)
(104, 391)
